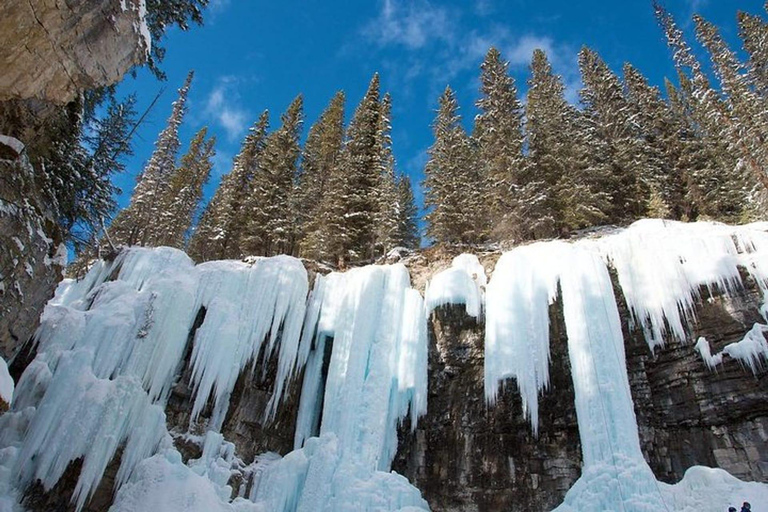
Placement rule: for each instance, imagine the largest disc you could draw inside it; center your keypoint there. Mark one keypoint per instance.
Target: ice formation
(463, 283)
(111, 346)
(661, 267)
(374, 328)
(6, 383)
(751, 351)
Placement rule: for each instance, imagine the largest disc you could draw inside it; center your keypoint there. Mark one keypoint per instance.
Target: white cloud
(410, 23)
(222, 106)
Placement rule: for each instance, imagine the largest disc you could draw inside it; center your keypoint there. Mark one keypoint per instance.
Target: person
(746, 507)
(731, 509)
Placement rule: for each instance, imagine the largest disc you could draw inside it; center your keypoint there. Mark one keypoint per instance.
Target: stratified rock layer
(53, 49)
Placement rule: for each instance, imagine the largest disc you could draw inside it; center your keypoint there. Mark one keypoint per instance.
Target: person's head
(731, 509)
(747, 506)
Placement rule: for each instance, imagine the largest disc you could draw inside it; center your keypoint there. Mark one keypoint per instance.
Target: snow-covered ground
(111, 346)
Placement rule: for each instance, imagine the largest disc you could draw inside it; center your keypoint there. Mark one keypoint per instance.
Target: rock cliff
(52, 49)
(467, 455)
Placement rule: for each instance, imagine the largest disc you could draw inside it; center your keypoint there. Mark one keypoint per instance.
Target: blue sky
(254, 55)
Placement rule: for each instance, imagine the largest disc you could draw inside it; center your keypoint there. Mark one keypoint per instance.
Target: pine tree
(499, 137)
(754, 33)
(720, 180)
(136, 225)
(747, 119)
(359, 176)
(269, 230)
(621, 156)
(551, 153)
(219, 233)
(186, 190)
(655, 122)
(451, 184)
(407, 226)
(319, 159)
(387, 214)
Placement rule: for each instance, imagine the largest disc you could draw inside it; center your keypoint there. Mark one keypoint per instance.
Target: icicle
(377, 372)
(463, 283)
(751, 351)
(661, 266)
(523, 286)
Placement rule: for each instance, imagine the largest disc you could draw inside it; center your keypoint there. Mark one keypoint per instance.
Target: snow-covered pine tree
(388, 209)
(621, 159)
(186, 190)
(754, 34)
(408, 215)
(498, 134)
(137, 224)
(551, 152)
(313, 193)
(220, 230)
(451, 182)
(747, 119)
(270, 222)
(359, 177)
(722, 193)
(659, 127)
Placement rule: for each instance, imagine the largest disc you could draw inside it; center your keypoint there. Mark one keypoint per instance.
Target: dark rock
(467, 456)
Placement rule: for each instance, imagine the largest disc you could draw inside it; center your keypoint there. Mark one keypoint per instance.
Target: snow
(140, 26)
(376, 374)
(164, 483)
(6, 383)
(15, 144)
(463, 283)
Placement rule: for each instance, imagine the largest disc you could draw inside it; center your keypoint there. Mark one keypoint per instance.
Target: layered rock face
(468, 456)
(50, 51)
(53, 49)
(31, 253)
(691, 415)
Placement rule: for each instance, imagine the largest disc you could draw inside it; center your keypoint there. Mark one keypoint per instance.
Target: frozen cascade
(525, 283)
(662, 265)
(111, 345)
(377, 373)
(463, 283)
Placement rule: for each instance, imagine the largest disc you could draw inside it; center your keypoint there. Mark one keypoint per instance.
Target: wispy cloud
(222, 106)
(412, 24)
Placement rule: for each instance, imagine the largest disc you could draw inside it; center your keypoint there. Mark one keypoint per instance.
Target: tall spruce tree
(219, 233)
(451, 184)
(747, 119)
(621, 162)
(186, 190)
(720, 178)
(358, 178)
(269, 230)
(499, 137)
(388, 208)
(138, 223)
(670, 177)
(551, 152)
(408, 215)
(314, 194)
